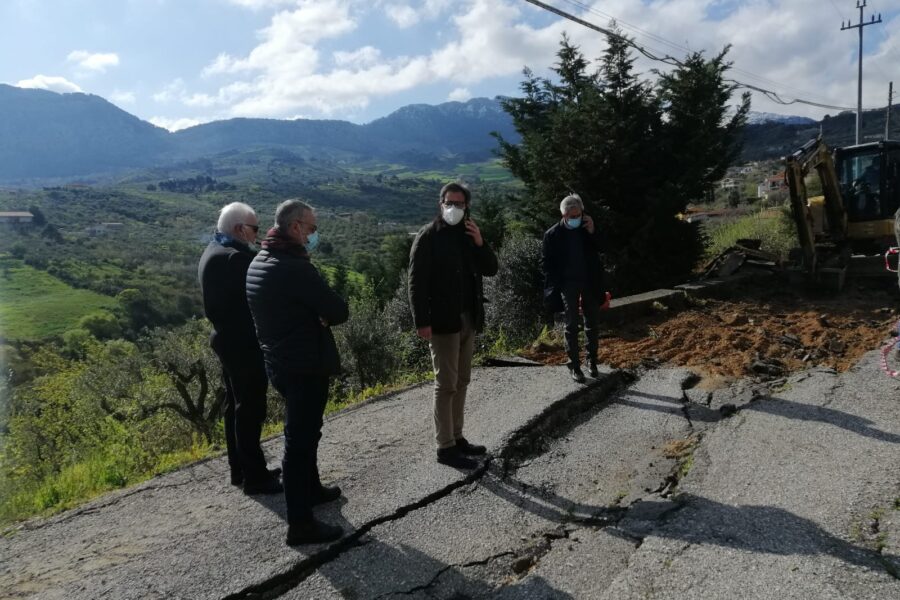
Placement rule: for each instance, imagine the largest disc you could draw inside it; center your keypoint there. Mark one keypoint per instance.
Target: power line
(747, 74)
(672, 61)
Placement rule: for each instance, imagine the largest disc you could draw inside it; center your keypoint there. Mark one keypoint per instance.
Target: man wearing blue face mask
(293, 309)
(573, 280)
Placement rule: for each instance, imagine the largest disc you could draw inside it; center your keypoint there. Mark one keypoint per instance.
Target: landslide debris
(756, 332)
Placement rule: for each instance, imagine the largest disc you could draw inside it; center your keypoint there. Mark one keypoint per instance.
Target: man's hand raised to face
(473, 232)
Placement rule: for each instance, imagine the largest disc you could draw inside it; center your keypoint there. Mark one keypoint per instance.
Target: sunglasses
(255, 228)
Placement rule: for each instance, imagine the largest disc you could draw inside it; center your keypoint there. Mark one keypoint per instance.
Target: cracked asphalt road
(792, 492)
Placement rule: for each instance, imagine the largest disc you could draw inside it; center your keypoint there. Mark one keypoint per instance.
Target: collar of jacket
(279, 242)
(223, 239)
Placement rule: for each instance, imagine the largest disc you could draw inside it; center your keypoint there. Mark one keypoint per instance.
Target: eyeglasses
(255, 228)
(456, 204)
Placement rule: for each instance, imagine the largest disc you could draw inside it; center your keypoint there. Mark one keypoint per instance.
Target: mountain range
(48, 135)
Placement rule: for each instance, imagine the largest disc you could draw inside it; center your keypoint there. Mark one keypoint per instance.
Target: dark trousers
(244, 373)
(305, 397)
(591, 310)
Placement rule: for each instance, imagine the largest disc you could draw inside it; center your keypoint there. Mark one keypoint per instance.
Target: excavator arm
(815, 154)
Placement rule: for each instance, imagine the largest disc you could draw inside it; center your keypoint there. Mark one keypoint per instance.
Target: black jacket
(553, 263)
(223, 274)
(441, 256)
(288, 298)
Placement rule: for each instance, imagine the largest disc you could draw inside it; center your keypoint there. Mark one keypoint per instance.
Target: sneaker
(463, 445)
(452, 457)
(576, 373)
(326, 494)
(268, 486)
(312, 532)
(592, 370)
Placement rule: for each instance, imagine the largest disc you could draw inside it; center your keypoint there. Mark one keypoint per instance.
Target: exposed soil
(767, 332)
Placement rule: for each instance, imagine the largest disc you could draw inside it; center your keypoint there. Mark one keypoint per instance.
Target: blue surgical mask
(312, 240)
(573, 223)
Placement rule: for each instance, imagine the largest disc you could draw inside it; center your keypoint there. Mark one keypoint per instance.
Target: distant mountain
(49, 135)
(758, 118)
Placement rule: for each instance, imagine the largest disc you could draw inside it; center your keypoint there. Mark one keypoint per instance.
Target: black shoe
(463, 445)
(326, 494)
(312, 532)
(452, 457)
(268, 486)
(592, 370)
(238, 478)
(577, 375)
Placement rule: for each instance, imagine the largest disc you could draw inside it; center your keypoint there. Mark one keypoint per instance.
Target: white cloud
(362, 57)
(404, 16)
(174, 90)
(93, 61)
(60, 85)
(459, 94)
(782, 44)
(175, 124)
(260, 4)
(120, 97)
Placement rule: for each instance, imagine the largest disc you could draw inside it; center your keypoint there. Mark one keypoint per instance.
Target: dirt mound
(768, 333)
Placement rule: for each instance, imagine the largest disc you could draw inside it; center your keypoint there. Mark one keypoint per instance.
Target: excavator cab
(869, 176)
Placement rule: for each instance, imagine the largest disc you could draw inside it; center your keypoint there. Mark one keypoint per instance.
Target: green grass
(773, 228)
(35, 305)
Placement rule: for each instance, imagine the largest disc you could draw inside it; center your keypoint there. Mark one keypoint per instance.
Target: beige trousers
(451, 356)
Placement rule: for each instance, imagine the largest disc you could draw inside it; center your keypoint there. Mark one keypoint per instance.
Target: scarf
(278, 241)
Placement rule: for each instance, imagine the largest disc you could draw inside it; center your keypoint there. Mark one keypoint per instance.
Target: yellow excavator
(849, 227)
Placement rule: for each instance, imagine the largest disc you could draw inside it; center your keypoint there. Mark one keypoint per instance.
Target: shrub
(515, 294)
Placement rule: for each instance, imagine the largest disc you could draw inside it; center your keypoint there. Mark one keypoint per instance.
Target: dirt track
(756, 331)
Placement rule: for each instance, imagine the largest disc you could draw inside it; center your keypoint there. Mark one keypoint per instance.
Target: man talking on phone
(573, 280)
(448, 259)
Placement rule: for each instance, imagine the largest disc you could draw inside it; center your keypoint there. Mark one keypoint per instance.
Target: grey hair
(232, 215)
(290, 211)
(570, 201)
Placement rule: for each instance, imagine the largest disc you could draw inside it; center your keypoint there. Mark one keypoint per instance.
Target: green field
(35, 305)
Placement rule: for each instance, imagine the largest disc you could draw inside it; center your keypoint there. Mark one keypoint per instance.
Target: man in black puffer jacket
(294, 309)
(223, 275)
(446, 264)
(573, 280)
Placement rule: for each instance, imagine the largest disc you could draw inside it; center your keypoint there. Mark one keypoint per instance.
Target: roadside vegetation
(774, 228)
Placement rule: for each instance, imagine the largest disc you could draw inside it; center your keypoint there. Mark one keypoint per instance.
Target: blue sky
(181, 62)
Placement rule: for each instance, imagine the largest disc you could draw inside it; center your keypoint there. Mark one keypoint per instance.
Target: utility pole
(887, 119)
(860, 4)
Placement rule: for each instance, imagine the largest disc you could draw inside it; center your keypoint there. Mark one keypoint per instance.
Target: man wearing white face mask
(448, 259)
(293, 309)
(573, 280)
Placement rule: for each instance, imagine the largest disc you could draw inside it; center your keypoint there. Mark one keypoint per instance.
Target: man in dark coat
(223, 274)
(573, 280)
(446, 265)
(294, 309)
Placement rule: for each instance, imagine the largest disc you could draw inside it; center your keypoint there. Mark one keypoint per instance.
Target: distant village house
(16, 217)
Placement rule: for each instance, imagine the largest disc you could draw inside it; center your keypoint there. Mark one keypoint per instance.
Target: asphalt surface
(651, 488)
